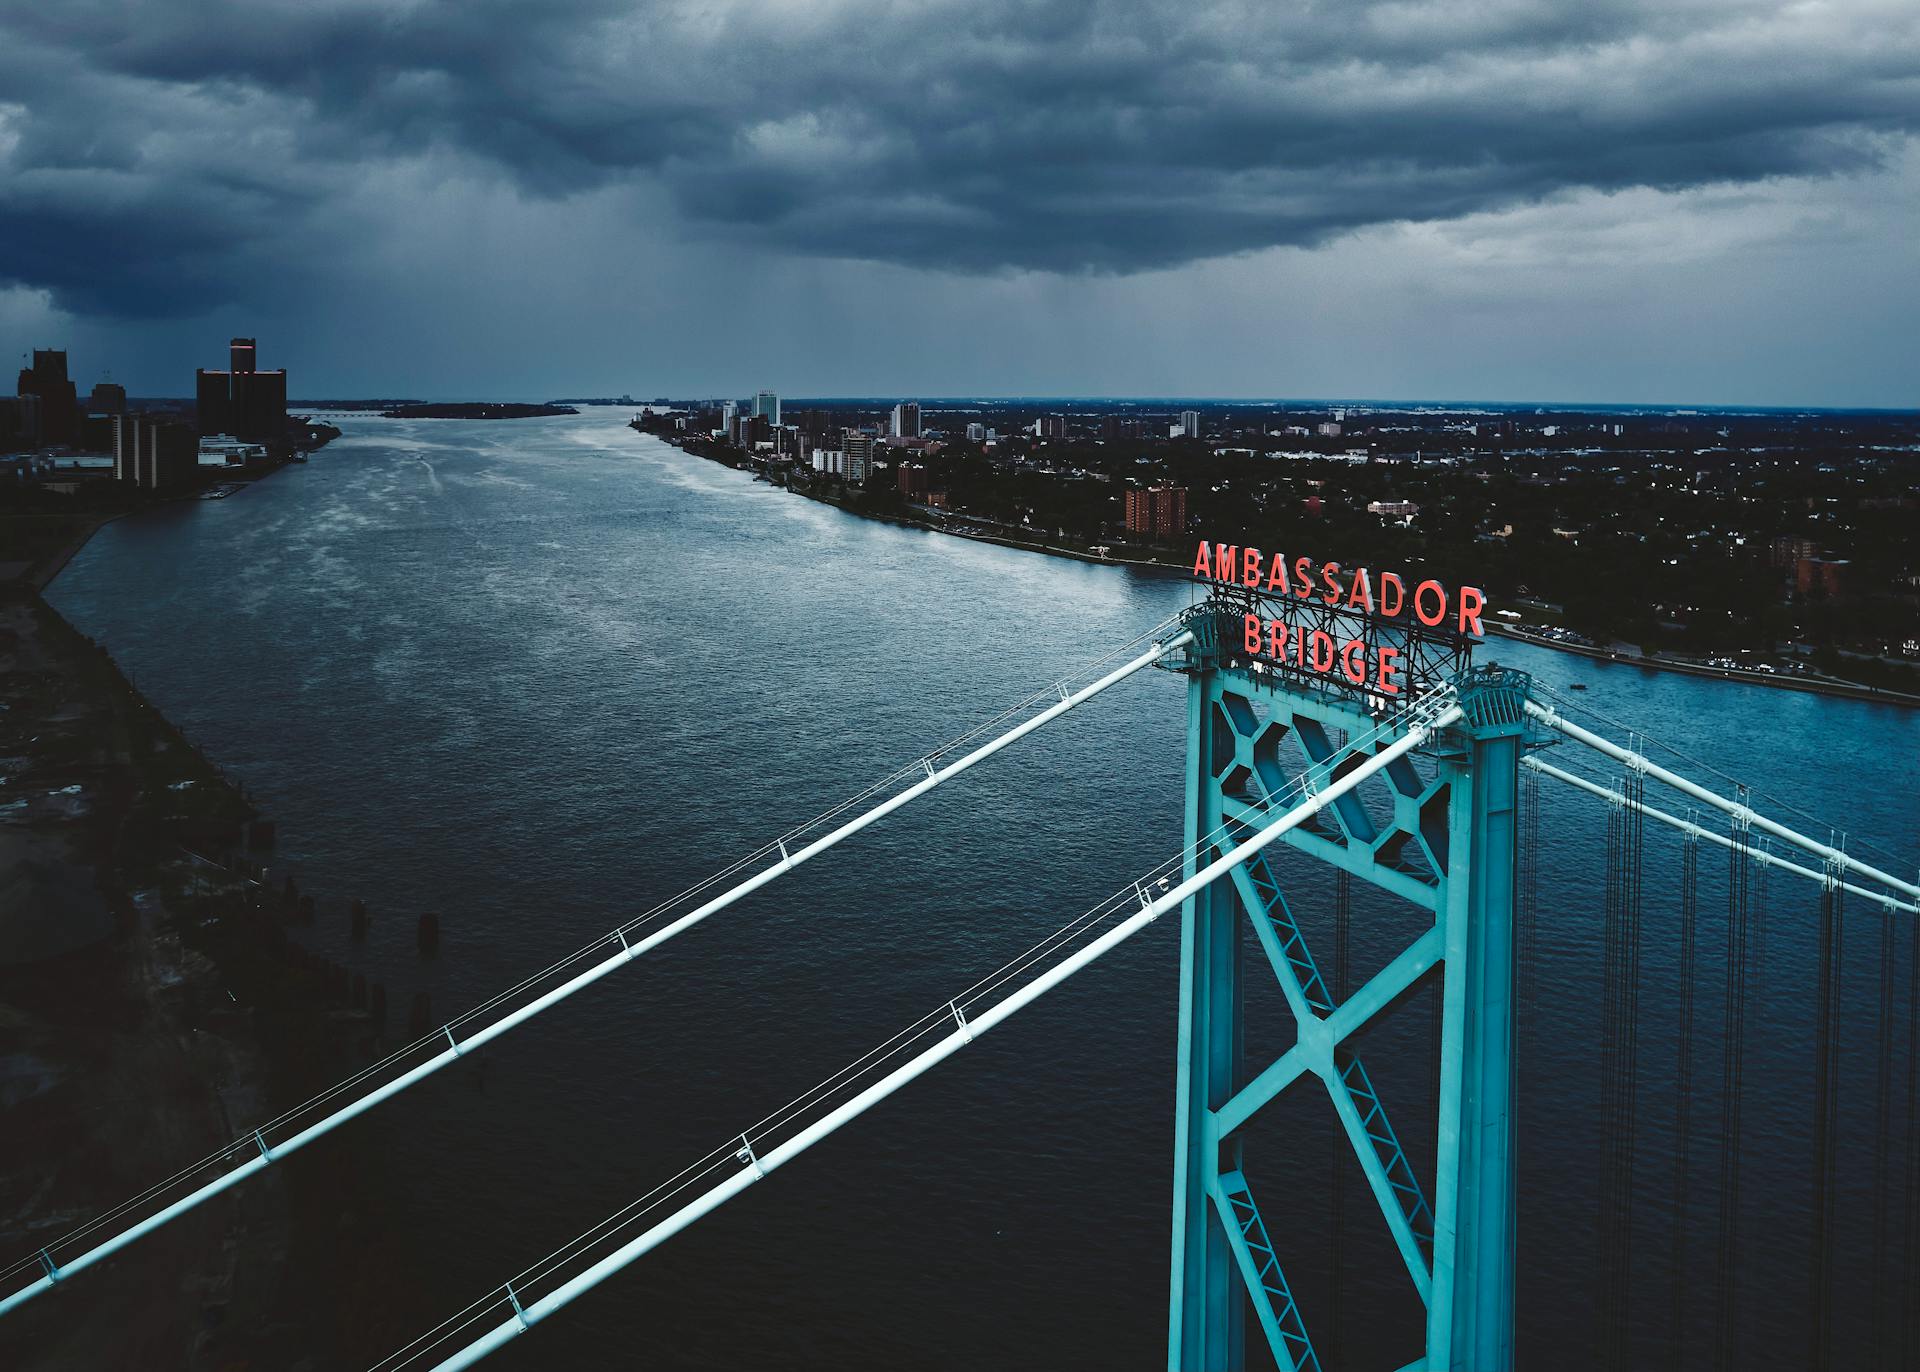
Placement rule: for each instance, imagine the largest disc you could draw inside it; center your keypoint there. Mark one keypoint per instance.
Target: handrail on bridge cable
(255, 1150)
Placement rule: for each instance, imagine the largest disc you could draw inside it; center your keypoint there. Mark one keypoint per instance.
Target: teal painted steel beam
(1386, 985)
(1349, 857)
(1206, 1321)
(1397, 1191)
(1266, 1282)
(1457, 1248)
(1470, 1308)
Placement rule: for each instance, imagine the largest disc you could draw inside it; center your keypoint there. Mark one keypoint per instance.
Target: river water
(537, 675)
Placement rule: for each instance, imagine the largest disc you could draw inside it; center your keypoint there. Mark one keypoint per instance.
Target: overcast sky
(1644, 201)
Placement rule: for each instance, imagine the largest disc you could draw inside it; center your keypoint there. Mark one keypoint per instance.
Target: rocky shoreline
(153, 1010)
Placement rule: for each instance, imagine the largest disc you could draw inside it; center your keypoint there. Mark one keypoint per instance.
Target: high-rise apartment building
(1157, 511)
(859, 449)
(766, 405)
(1190, 423)
(905, 420)
(976, 433)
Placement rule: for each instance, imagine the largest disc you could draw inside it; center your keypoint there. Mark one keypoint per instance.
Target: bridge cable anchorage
(854, 1099)
(1739, 809)
(191, 1186)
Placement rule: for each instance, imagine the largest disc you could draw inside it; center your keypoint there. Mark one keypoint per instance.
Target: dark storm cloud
(146, 150)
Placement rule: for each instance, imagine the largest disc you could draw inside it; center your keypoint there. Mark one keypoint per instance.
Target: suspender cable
(1529, 893)
(1912, 1245)
(1826, 1094)
(243, 1159)
(1732, 1087)
(1683, 1095)
(1609, 1311)
(1620, 1070)
(1739, 809)
(1425, 717)
(1882, 1144)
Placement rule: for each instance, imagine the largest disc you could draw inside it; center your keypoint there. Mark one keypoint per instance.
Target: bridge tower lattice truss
(1444, 839)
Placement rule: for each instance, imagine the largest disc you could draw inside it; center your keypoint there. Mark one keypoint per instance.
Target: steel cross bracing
(1443, 839)
(257, 1149)
(1260, 1269)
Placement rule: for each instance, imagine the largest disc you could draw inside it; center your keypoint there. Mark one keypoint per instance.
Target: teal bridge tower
(1442, 838)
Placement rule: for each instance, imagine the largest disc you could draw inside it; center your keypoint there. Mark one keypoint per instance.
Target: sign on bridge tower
(1287, 693)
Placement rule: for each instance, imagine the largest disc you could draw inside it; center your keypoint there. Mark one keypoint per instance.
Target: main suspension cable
(266, 1142)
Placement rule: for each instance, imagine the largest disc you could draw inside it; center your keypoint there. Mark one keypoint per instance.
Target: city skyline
(1619, 205)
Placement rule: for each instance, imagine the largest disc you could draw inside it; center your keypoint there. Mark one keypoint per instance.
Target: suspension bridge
(1369, 744)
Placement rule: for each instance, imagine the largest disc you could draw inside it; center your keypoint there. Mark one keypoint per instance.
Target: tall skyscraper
(59, 403)
(766, 405)
(905, 422)
(243, 401)
(729, 414)
(1190, 423)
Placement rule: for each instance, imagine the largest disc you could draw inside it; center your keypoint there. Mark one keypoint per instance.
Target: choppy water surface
(540, 674)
